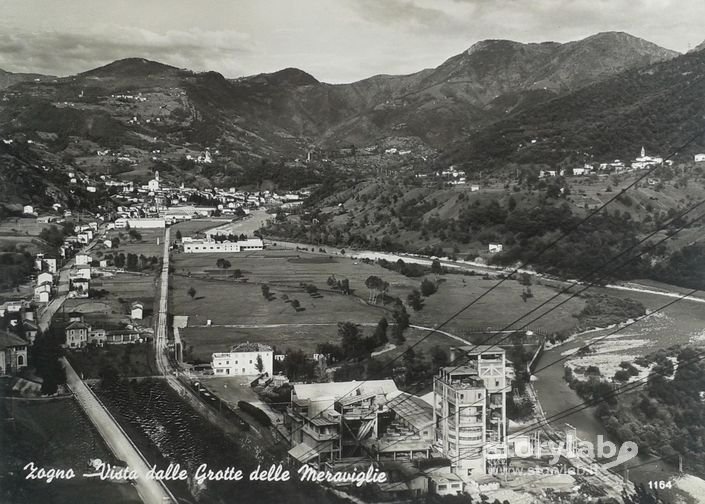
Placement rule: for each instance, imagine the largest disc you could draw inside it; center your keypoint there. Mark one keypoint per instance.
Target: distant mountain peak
(293, 77)
(129, 67)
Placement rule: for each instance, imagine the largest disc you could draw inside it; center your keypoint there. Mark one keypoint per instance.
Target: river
(556, 396)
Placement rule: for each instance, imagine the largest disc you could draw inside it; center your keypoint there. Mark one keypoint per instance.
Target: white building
(28, 209)
(644, 161)
(205, 247)
(82, 259)
(45, 277)
(145, 223)
(136, 310)
(699, 158)
(242, 360)
(42, 296)
(153, 185)
(45, 263)
(495, 247)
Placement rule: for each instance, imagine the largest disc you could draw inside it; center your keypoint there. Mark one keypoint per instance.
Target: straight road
(150, 491)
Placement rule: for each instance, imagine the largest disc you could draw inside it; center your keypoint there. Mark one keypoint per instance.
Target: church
(644, 161)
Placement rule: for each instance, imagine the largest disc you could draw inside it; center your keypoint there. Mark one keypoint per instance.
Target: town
(416, 277)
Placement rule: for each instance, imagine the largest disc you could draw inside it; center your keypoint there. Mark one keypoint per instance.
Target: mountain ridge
(286, 113)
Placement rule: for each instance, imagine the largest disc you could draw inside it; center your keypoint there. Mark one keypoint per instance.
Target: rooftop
(8, 340)
(251, 347)
(413, 410)
(77, 325)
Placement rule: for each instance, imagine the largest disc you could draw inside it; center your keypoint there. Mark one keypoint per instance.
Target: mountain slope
(491, 79)
(659, 106)
(141, 106)
(8, 79)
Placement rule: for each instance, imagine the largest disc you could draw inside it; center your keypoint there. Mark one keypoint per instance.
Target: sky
(334, 40)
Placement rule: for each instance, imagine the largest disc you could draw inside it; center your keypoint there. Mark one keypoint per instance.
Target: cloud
(336, 41)
(404, 13)
(62, 53)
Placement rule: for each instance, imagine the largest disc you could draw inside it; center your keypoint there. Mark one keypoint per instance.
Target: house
(123, 337)
(42, 263)
(83, 259)
(42, 296)
(108, 243)
(77, 335)
(83, 271)
(45, 278)
(474, 188)
(136, 310)
(699, 158)
(30, 331)
(243, 360)
(580, 171)
(28, 210)
(97, 337)
(495, 248)
(13, 353)
(446, 484)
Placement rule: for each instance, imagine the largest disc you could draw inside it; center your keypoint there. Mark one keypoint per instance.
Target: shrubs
(601, 311)
(428, 288)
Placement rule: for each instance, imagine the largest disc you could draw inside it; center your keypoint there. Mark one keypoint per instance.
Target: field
(113, 307)
(194, 226)
(147, 246)
(238, 311)
(19, 232)
(53, 434)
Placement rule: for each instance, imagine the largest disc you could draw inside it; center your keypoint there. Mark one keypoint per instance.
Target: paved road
(150, 491)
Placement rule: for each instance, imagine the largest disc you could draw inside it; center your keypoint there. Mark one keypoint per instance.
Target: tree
(376, 286)
(191, 292)
(436, 267)
(115, 242)
(414, 300)
(223, 263)
(345, 286)
(237, 273)
(178, 235)
(439, 357)
(380, 334)
(119, 260)
(265, 291)
(260, 364)
(350, 339)
(428, 288)
(401, 319)
(132, 262)
(296, 304)
(135, 235)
